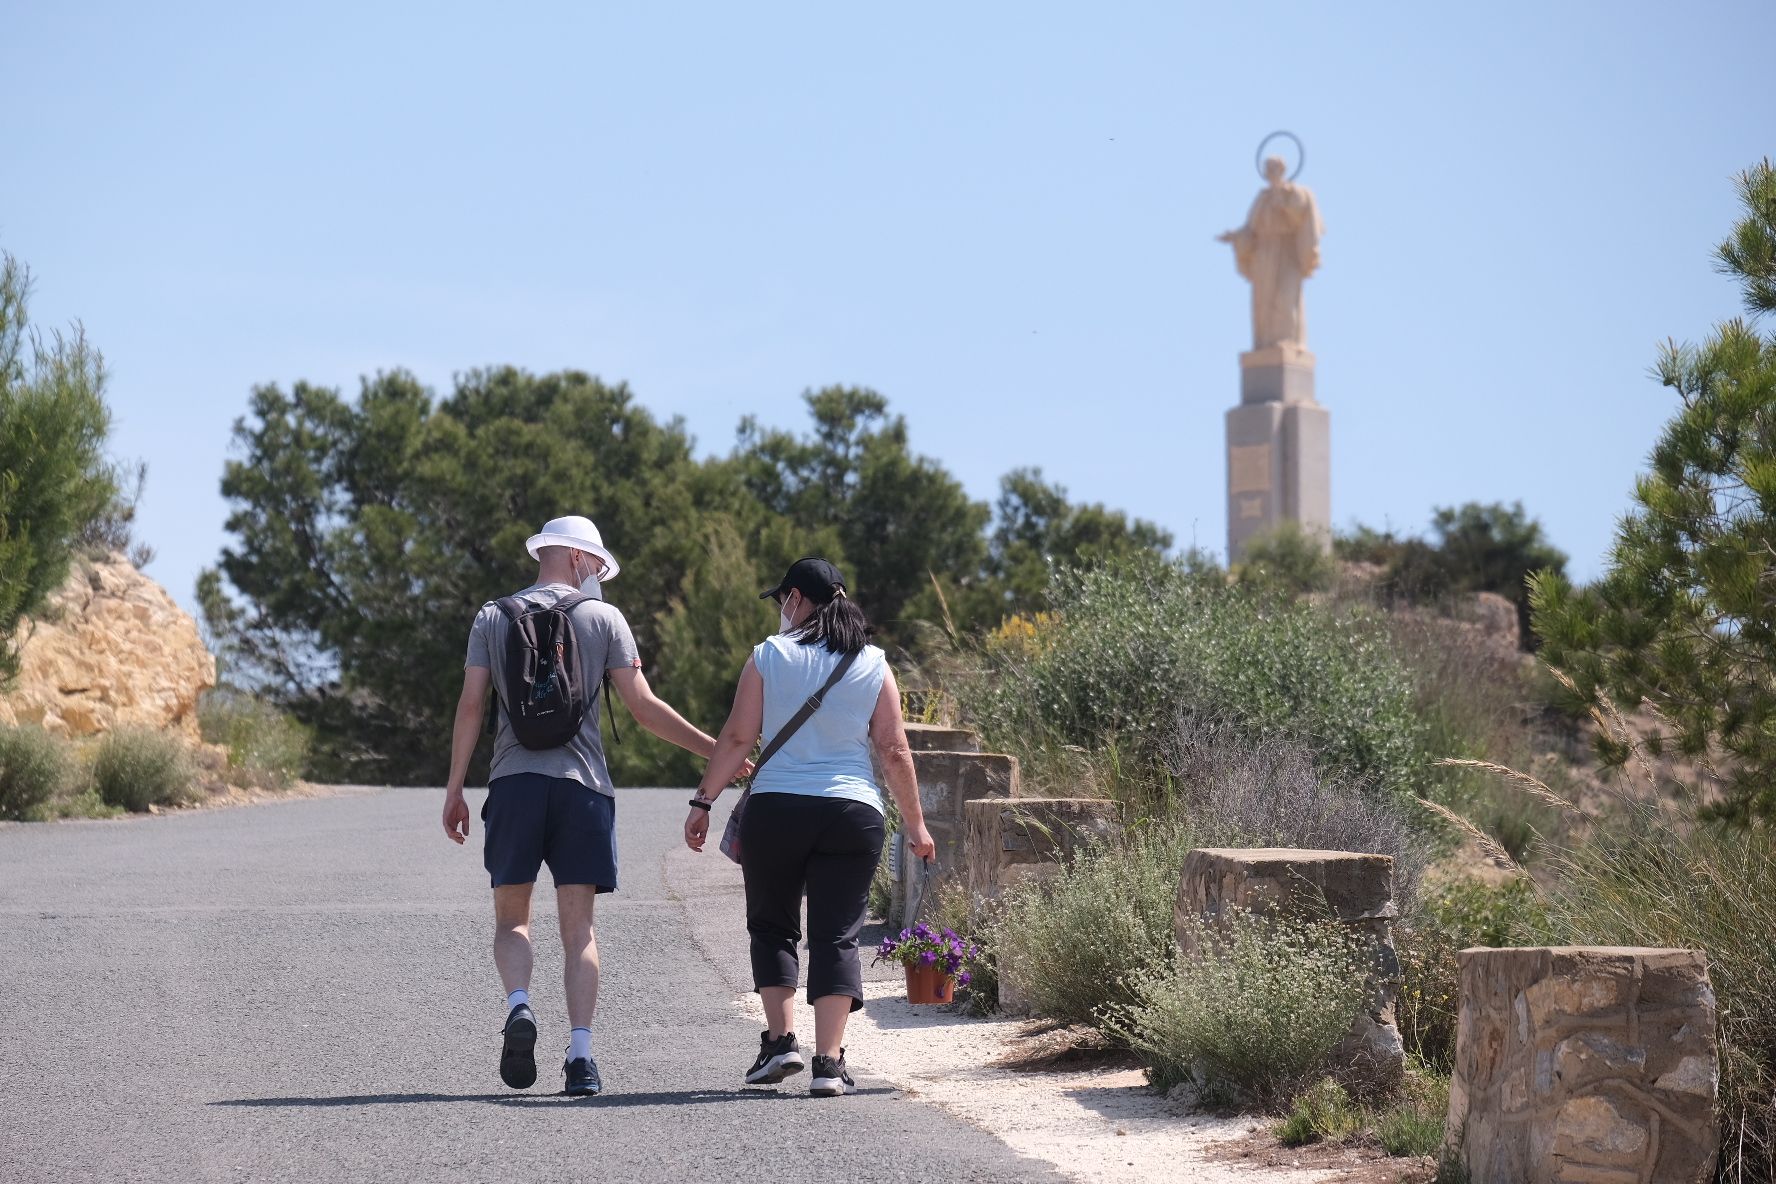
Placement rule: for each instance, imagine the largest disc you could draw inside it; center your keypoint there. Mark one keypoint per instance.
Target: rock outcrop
(110, 650)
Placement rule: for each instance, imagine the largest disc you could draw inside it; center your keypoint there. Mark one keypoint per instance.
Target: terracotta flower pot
(929, 984)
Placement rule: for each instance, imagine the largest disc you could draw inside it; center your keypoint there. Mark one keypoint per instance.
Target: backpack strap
(805, 712)
(567, 604)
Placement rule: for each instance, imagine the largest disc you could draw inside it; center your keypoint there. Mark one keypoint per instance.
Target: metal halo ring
(1300, 153)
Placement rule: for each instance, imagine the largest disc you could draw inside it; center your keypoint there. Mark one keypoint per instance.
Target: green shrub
(137, 769)
(1653, 880)
(1103, 918)
(1135, 646)
(34, 767)
(1253, 1014)
(1413, 1125)
(1324, 1111)
(1286, 561)
(266, 748)
(1459, 915)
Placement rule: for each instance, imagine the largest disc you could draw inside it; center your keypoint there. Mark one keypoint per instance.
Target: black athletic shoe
(582, 1078)
(518, 1067)
(777, 1059)
(829, 1077)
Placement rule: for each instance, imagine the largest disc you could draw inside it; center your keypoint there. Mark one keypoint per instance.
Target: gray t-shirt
(605, 644)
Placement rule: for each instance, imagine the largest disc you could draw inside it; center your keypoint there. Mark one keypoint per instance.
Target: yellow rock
(110, 650)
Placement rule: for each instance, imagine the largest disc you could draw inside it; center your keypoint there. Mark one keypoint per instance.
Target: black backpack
(545, 699)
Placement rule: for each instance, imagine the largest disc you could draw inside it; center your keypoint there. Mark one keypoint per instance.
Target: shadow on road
(603, 1101)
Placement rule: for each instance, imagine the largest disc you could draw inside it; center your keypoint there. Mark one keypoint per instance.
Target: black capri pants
(791, 844)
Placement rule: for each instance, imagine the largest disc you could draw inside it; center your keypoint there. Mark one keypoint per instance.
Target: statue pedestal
(1279, 450)
(1277, 374)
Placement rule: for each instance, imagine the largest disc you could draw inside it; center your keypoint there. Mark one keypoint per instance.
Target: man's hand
(919, 839)
(456, 817)
(747, 768)
(696, 828)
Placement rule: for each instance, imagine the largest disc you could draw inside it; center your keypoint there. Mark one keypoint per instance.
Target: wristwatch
(701, 803)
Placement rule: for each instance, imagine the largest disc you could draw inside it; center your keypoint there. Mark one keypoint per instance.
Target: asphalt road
(304, 991)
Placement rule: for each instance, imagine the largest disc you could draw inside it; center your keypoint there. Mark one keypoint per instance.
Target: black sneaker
(830, 1078)
(518, 1067)
(582, 1078)
(777, 1059)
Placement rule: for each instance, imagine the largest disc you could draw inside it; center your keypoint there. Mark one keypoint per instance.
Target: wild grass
(1410, 1124)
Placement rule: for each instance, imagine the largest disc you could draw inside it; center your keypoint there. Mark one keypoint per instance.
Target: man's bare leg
(512, 952)
(513, 955)
(579, 945)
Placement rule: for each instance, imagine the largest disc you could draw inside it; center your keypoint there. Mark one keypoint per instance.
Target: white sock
(579, 1043)
(516, 999)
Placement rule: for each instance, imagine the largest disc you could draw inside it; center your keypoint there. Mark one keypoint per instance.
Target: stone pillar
(941, 738)
(1589, 1064)
(1354, 889)
(1011, 842)
(1279, 449)
(946, 781)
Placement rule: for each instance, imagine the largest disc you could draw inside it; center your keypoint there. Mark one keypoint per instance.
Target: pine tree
(1685, 617)
(54, 479)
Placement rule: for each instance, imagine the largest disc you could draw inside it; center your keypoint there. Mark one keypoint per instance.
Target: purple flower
(929, 957)
(963, 979)
(923, 931)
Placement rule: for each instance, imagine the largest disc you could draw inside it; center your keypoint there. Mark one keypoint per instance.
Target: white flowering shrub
(1076, 939)
(1252, 1015)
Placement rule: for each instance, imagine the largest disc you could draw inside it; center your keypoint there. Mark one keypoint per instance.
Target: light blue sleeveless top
(829, 756)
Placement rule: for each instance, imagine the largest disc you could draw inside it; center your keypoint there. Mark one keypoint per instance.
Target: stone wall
(110, 650)
(1011, 842)
(946, 781)
(1355, 889)
(1594, 1065)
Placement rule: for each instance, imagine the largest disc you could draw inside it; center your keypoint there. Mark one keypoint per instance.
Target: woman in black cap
(814, 819)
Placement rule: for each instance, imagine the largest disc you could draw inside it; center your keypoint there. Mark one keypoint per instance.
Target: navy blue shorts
(532, 820)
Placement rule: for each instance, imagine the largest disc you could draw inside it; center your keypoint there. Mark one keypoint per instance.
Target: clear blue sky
(1001, 217)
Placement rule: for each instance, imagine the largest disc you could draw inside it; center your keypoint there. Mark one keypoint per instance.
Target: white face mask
(784, 624)
(591, 586)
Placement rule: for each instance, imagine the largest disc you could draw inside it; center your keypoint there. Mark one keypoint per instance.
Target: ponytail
(839, 625)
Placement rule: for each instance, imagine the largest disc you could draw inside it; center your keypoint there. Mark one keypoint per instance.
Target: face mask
(784, 624)
(591, 587)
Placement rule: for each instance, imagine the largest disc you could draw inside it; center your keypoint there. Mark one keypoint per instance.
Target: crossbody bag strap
(804, 712)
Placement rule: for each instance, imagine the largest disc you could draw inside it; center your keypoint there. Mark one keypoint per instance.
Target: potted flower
(933, 960)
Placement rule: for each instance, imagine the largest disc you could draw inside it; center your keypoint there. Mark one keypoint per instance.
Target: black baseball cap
(813, 578)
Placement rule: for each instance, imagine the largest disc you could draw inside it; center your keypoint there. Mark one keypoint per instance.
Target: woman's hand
(696, 828)
(919, 839)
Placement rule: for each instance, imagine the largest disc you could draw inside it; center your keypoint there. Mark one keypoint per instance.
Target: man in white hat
(553, 805)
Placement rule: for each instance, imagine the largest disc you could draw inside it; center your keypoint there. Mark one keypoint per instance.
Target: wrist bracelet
(701, 804)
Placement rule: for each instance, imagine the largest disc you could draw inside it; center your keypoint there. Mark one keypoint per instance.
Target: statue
(1277, 248)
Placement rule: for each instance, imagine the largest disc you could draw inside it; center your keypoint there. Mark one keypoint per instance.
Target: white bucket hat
(578, 533)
